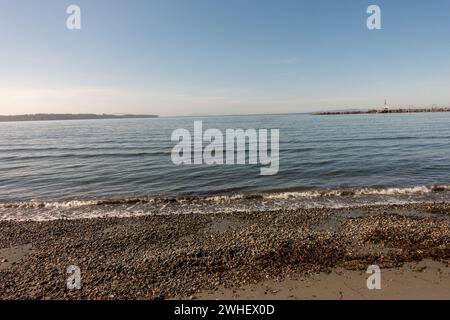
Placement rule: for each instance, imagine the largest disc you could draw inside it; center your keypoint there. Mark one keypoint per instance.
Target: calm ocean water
(68, 162)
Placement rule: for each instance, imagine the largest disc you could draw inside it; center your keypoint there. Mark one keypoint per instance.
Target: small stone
(421, 269)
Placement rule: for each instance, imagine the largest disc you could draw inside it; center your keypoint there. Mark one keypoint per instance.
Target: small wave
(311, 194)
(88, 156)
(360, 192)
(52, 204)
(363, 139)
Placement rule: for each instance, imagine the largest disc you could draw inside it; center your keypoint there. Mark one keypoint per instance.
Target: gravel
(171, 256)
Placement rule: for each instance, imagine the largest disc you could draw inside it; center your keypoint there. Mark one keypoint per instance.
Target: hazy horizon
(196, 114)
(183, 58)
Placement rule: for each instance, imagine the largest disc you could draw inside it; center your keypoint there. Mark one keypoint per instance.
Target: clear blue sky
(174, 57)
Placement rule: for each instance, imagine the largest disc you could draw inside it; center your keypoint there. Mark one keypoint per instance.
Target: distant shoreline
(64, 117)
(382, 111)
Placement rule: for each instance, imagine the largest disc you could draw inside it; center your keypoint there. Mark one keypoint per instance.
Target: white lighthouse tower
(385, 108)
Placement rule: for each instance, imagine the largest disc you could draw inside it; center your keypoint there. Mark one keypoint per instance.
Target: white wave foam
(53, 204)
(359, 192)
(334, 194)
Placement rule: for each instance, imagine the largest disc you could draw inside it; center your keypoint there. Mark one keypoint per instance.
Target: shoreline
(179, 256)
(70, 117)
(268, 201)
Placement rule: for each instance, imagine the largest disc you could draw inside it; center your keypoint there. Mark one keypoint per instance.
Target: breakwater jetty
(383, 111)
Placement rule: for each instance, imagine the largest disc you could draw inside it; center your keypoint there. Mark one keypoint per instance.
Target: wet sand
(284, 254)
(425, 280)
(13, 255)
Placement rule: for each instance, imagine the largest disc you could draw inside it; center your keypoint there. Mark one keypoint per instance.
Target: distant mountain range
(54, 117)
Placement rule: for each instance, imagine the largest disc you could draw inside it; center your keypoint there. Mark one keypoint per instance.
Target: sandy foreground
(425, 280)
(285, 254)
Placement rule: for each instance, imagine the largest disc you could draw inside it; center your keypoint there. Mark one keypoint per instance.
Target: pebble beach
(181, 256)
